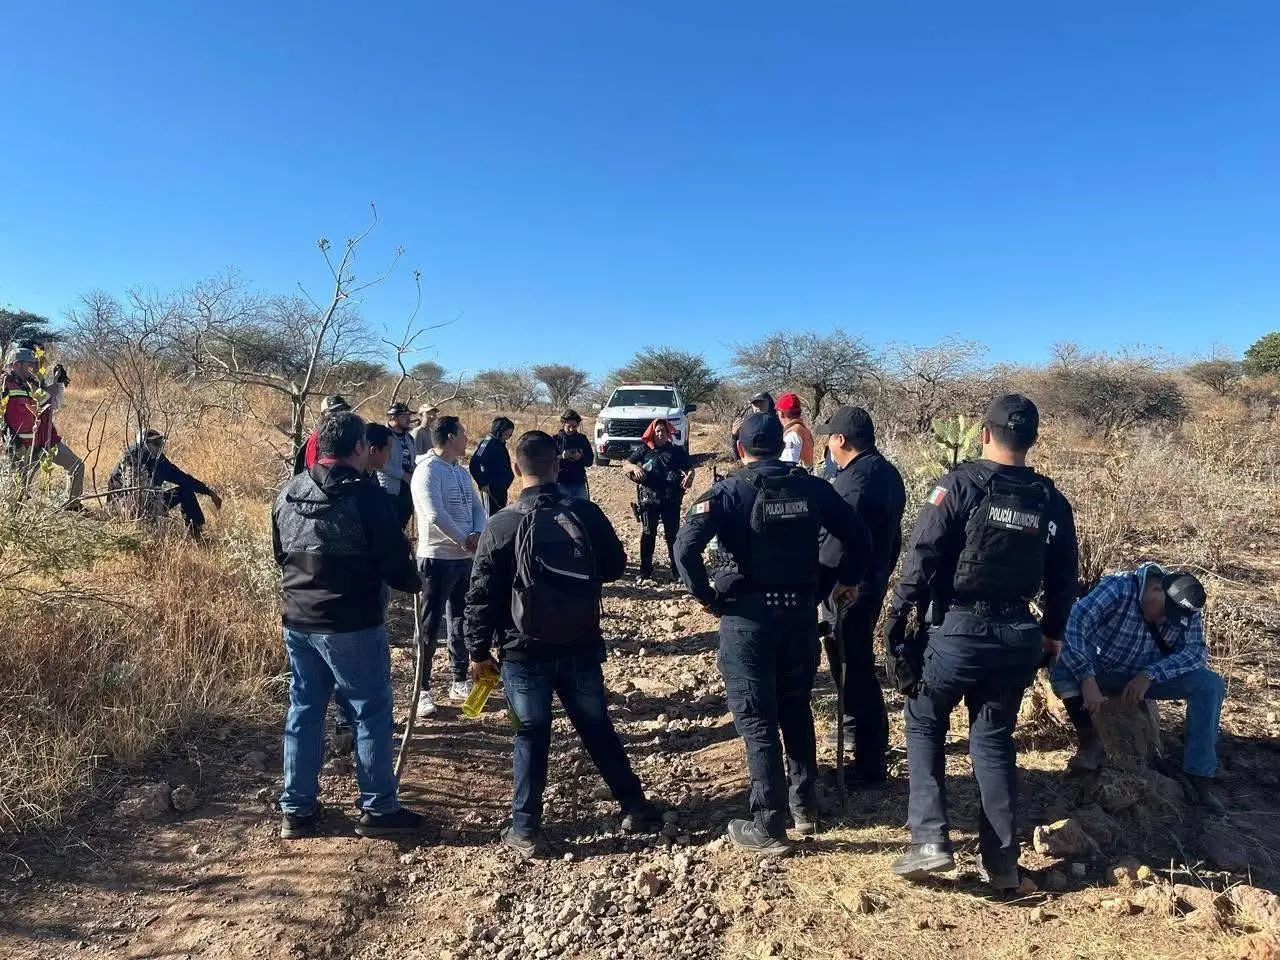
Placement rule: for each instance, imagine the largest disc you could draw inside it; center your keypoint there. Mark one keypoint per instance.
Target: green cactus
(954, 440)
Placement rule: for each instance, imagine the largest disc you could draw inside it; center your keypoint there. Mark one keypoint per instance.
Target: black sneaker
(526, 847)
(747, 835)
(999, 880)
(806, 821)
(295, 827)
(924, 859)
(645, 818)
(390, 824)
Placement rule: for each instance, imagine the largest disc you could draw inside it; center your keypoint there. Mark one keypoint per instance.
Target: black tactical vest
(1005, 542)
(784, 534)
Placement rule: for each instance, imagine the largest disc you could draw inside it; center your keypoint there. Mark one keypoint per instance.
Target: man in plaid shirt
(1139, 636)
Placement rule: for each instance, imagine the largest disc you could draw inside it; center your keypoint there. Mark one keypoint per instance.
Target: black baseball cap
(570, 416)
(761, 435)
(397, 409)
(852, 423)
(1015, 412)
(765, 397)
(334, 403)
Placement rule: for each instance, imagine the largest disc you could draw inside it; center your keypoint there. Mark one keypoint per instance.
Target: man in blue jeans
(535, 592)
(340, 545)
(1140, 636)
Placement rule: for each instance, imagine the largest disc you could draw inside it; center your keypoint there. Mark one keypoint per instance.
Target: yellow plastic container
(473, 706)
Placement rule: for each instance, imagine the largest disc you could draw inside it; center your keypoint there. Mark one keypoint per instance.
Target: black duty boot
(1089, 756)
(924, 859)
(390, 824)
(999, 878)
(642, 818)
(806, 821)
(747, 835)
(1206, 794)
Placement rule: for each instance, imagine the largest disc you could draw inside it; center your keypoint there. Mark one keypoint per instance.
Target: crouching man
(1139, 636)
(535, 592)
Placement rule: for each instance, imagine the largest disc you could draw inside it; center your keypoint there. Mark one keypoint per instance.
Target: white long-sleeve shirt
(448, 508)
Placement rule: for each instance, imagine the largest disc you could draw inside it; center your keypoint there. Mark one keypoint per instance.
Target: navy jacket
(874, 488)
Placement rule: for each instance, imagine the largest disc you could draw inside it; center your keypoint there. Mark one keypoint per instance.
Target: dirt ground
(217, 882)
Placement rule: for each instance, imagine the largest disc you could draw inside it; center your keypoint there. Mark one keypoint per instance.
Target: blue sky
(578, 179)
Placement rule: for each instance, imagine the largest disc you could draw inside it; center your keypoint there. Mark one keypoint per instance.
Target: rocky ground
(184, 860)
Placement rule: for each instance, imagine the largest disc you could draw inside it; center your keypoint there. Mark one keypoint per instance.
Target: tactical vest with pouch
(555, 598)
(1006, 538)
(784, 534)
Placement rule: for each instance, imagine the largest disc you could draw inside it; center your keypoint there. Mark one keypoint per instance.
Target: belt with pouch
(997, 609)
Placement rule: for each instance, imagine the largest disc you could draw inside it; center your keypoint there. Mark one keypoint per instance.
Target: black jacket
(665, 469)
(724, 512)
(574, 471)
(929, 568)
(139, 467)
(491, 464)
(488, 612)
(874, 488)
(337, 540)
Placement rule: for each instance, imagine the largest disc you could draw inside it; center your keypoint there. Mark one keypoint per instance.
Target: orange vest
(806, 442)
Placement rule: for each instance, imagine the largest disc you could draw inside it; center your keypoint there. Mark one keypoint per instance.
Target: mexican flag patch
(939, 494)
(699, 508)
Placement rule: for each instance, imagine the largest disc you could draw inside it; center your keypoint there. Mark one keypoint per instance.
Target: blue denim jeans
(576, 678)
(1203, 691)
(355, 668)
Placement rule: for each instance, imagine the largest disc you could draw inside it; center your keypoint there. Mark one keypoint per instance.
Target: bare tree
(562, 381)
(926, 382)
(834, 367)
(515, 389)
(292, 347)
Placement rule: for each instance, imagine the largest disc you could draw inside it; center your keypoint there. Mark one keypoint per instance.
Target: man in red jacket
(29, 427)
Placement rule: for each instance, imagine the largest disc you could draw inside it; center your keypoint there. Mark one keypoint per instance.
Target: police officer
(990, 535)
(768, 517)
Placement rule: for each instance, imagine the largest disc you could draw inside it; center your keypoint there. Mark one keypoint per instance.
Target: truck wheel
(602, 461)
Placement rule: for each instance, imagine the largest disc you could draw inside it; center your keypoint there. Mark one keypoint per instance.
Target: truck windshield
(640, 397)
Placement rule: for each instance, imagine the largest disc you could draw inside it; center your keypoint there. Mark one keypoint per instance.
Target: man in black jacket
(491, 464)
(340, 547)
(536, 664)
(873, 487)
(575, 456)
(140, 477)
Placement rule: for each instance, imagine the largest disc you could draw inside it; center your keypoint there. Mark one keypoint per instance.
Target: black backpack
(555, 598)
(1006, 539)
(784, 533)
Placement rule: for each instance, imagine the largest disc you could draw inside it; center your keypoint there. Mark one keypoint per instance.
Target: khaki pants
(62, 456)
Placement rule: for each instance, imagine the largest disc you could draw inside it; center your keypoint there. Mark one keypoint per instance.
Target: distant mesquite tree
(688, 372)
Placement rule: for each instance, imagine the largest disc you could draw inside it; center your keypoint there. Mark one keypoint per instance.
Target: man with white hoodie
(451, 518)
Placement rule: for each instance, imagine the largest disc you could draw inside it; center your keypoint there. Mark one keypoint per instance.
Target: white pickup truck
(622, 421)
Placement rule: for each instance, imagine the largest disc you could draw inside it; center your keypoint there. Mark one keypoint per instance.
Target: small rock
(1124, 875)
(184, 799)
(1258, 946)
(601, 793)
(762, 908)
(255, 760)
(1195, 898)
(1055, 880)
(857, 901)
(929, 923)
(1261, 908)
(1203, 920)
(408, 858)
(650, 881)
(1064, 838)
(1120, 906)
(199, 849)
(568, 857)
(1038, 915)
(1157, 899)
(147, 801)
(1079, 870)
(1146, 874)
(447, 954)
(1027, 886)
(413, 878)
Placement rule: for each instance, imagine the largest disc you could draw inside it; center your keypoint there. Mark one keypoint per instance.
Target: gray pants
(62, 456)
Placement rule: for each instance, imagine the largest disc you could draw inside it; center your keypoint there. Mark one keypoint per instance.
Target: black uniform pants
(988, 663)
(667, 513)
(865, 720)
(404, 503)
(496, 499)
(184, 498)
(769, 657)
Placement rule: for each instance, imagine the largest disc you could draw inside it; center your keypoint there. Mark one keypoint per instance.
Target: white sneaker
(460, 690)
(426, 705)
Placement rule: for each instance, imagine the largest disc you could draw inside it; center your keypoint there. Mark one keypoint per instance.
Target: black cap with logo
(1014, 412)
(761, 435)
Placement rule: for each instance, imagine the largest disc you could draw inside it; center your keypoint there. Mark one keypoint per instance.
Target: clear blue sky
(581, 178)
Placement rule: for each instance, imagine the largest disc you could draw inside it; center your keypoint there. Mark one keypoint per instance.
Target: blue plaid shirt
(1106, 633)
